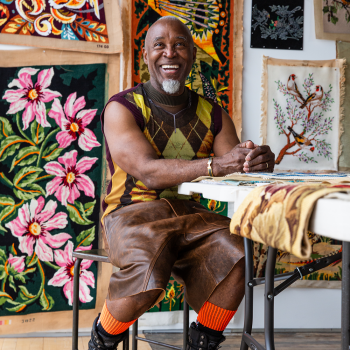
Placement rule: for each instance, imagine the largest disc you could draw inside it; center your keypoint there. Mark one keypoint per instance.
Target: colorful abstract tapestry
(277, 24)
(216, 27)
(301, 112)
(52, 179)
(83, 25)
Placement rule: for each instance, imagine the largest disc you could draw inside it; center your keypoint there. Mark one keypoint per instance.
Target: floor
(283, 341)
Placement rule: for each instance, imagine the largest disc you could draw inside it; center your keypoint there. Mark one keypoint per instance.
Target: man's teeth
(170, 67)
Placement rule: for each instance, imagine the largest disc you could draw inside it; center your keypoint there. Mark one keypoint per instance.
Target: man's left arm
(227, 142)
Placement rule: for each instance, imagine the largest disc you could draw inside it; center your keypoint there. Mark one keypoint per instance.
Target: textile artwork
(277, 24)
(52, 180)
(216, 27)
(332, 19)
(301, 112)
(293, 202)
(84, 25)
(343, 51)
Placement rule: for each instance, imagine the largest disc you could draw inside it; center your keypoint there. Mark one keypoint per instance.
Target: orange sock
(110, 325)
(214, 317)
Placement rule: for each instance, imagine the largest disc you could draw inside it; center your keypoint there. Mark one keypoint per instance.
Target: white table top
(330, 218)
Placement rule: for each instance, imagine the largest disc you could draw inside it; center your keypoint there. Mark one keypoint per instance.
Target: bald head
(169, 22)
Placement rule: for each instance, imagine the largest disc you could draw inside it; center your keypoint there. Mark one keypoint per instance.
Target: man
(158, 135)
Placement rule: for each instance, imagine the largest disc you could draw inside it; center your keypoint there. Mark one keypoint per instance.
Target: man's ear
(145, 57)
(194, 54)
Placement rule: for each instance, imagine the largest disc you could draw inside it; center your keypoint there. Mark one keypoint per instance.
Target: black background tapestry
(52, 180)
(277, 24)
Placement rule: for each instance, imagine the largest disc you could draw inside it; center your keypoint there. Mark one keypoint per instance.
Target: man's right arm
(132, 152)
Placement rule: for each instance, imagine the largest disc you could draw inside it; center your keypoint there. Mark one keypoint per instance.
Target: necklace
(173, 114)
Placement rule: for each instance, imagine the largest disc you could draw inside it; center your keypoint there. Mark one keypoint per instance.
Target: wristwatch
(210, 170)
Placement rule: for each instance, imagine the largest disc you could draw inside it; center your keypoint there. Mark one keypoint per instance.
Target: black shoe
(198, 340)
(99, 341)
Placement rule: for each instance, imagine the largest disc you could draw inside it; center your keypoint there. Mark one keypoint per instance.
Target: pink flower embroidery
(17, 263)
(64, 276)
(33, 225)
(70, 179)
(73, 123)
(31, 97)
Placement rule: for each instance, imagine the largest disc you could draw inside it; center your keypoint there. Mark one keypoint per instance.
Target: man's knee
(130, 308)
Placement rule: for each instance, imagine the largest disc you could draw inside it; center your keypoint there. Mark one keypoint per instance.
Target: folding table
(330, 218)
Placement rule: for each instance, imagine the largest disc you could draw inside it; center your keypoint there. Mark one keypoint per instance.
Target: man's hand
(261, 158)
(232, 161)
(245, 157)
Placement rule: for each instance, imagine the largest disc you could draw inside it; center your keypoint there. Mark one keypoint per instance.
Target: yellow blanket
(278, 215)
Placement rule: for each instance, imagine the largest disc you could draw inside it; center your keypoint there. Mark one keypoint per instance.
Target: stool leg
(134, 335)
(270, 299)
(248, 307)
(186, 323)
(76, 304)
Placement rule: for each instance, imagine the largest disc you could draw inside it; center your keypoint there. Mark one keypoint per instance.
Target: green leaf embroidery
(3, 257)
(23, 182)
(9, 146)
(89, 207)
(24, 294)
(12, 283)
(30, 261)
(37, 132)
(6, 128)
(52, 152)
(85, 238)
(77, 214)
(25, 156)
(17, 308)
(46, 301)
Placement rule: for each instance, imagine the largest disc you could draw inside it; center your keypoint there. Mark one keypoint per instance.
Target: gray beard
(171, 86)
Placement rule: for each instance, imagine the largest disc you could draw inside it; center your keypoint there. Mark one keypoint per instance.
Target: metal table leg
(186, 316)
(134, 335)
(248, 307)
(345, 310)
(269, 299)
(76, 304)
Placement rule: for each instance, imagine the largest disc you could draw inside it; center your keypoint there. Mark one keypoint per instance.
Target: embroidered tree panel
(51, 182)
(332, 19)
(82, 25)
(216, 28)
(277, 24)
(301, 114)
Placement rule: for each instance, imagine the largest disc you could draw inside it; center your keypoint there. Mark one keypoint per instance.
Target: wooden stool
(101, 255)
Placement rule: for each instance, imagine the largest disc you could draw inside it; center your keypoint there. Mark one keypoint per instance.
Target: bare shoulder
(117, 115)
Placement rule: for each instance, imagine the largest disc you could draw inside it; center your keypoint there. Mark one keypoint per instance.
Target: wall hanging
(84, 25)
(277, 24)
(52, 180)
(301, 112)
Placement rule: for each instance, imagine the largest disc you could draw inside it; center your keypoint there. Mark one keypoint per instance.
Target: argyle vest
(192, 139)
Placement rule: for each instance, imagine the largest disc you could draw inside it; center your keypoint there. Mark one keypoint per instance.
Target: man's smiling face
(169, 53)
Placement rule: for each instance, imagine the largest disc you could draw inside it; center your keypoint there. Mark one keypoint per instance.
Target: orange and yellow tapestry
(216, 27)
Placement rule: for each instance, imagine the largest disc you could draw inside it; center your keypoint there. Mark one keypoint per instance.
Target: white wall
(294, 308)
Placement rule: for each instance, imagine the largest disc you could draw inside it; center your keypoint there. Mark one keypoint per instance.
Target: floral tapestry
(277, 24)
(216, 28)
(301, 113)
(51, 182)
(83, 25)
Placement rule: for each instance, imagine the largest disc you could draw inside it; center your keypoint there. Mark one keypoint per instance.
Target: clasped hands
(245, 157)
